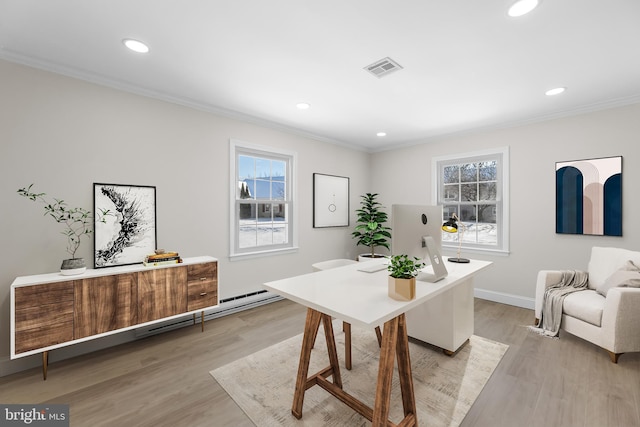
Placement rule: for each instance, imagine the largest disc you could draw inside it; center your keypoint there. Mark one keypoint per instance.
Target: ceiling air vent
(383, 67)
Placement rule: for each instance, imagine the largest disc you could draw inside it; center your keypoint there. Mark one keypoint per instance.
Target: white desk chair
(346, 327)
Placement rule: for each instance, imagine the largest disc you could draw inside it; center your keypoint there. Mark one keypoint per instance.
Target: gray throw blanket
(551, 316)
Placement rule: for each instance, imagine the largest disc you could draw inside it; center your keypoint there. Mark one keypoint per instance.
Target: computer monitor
(416, 232)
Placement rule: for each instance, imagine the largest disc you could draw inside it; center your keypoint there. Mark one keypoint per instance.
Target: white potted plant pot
(73, 266)
(368, 257)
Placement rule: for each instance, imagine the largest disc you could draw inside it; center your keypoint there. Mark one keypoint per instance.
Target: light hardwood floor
(164, 380)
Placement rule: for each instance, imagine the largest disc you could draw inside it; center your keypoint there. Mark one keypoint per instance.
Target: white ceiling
(467, 65)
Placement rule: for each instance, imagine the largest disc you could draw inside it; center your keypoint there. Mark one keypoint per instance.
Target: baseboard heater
(227, 306)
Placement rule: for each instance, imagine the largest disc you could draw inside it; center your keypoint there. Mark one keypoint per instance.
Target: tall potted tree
(370, 230)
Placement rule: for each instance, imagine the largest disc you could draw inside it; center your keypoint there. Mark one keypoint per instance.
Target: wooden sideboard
(50, 311)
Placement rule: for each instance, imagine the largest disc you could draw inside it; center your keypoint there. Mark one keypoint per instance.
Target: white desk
(361, 299)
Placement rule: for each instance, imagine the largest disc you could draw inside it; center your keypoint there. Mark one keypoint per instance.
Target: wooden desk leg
(332, 350)
(379, 336)
(315, 335)
(385, 374)
(394, 340)
(303, 382)
(404, 371)
(202, 320)
(310, 330)
(346, 327)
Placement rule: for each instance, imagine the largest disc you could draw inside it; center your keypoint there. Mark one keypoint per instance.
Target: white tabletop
(361, 298)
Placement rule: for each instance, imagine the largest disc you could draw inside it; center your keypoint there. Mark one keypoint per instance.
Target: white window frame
(502, 203)
(237, 148)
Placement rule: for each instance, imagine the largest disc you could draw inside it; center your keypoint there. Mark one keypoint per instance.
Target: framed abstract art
(589, 197)
(127, 232)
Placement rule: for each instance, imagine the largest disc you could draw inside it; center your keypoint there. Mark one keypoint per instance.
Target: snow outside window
(262, 201)
(474, 186)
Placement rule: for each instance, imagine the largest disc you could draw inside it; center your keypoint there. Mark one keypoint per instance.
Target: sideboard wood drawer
(44, 336)
(202, 285)
(43, 319)
(202, 294)
(33, 317)
(48, 293)
(200, 272)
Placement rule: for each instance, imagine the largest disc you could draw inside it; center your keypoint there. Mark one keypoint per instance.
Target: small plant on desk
(402, 278)
(402, 267)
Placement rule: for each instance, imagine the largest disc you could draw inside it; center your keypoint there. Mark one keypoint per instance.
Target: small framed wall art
(127, 233)
(589, 197)
(330, 201)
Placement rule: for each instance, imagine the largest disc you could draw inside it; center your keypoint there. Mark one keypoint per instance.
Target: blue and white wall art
(589, 197)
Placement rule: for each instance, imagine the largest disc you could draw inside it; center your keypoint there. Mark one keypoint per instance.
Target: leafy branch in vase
(77, 222)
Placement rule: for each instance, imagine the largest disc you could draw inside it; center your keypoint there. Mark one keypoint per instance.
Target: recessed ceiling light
(555, 91)
(303, 106)
(522, 7)
(381, 134)
(136, 45)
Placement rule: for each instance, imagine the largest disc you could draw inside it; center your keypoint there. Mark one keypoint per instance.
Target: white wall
(65, 134)
(405, 176)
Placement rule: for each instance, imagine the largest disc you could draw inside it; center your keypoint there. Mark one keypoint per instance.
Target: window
(262, 200)
(474, 186)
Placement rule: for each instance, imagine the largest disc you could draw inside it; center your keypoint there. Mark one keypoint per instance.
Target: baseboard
(227, 306)
(504, 298)
(8, 366)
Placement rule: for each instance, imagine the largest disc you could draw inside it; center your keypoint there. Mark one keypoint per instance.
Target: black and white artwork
(330, 201)
(125, 224)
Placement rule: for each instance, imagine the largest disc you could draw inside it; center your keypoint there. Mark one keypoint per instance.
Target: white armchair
(606, 314)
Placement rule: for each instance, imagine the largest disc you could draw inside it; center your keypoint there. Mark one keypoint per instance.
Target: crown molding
(570, 112)
(123, 86)
(102, 80)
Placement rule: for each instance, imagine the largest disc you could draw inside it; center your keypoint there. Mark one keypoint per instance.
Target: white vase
(367, 257)
(73, 266)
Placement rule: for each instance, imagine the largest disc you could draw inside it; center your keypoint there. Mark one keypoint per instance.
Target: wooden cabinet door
(161, 293)
(43, 315)
(105, 304)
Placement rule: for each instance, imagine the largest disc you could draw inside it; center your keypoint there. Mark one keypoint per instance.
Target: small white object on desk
(373, 266)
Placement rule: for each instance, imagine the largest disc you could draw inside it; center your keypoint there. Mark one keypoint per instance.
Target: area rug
(262, 384)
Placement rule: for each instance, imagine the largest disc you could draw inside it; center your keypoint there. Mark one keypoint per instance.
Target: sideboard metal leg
(45, 364)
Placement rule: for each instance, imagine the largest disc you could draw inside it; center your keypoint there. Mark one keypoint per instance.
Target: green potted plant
(370, 230)
(402, 276)
(77, 222)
